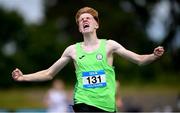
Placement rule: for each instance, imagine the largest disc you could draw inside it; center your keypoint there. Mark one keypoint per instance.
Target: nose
(84, 19)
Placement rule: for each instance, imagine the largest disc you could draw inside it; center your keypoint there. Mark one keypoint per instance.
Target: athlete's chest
(91, 59)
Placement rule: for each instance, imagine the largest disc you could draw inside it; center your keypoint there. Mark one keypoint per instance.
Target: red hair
(89, 10)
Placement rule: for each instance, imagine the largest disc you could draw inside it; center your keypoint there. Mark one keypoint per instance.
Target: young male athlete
(93, 60)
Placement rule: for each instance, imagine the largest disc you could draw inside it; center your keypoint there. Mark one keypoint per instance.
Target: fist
(159, 51)
(17, 75)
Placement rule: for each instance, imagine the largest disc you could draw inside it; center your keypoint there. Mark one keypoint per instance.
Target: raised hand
(17, 75)
(159, 51)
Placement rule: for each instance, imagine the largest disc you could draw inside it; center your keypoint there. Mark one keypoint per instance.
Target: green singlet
(95, 78)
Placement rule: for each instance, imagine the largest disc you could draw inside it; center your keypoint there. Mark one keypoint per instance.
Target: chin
(86, 32)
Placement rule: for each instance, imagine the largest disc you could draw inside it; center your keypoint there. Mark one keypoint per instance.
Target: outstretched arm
(136, 58)
(46, 74)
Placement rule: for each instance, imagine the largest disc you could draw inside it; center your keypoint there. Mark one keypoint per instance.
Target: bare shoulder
(111, 42)
(113, 46)
(71, 47)
(70, 51)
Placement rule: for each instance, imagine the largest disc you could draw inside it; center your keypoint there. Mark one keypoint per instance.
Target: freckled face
(87, 23)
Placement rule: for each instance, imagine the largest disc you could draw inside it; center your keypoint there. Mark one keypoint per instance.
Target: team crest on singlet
(99, 56)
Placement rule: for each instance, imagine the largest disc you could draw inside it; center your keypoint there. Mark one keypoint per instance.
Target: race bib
(94, 79)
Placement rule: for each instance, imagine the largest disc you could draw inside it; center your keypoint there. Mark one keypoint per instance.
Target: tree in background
(126, 21)
(13, 37)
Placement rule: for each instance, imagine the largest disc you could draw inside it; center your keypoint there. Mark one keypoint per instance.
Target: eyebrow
(85, 16)
(80, 18)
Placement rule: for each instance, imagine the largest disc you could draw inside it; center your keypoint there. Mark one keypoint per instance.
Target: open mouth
(85, 26)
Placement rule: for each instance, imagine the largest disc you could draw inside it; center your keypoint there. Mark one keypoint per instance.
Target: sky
(31, 10)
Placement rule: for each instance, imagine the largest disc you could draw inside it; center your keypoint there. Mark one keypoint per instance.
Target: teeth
(86, 25)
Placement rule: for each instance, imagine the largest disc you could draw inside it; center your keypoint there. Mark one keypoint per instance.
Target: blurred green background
(139, 25)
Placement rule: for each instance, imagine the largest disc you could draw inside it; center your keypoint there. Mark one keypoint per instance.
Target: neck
(90, 39)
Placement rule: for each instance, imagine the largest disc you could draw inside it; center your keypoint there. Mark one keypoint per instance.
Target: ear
(97, 26)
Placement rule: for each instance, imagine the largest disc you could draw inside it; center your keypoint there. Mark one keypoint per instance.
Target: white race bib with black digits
(94, 79)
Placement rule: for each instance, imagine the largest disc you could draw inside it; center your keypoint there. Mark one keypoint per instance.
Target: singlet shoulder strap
(103, 42)
(103, 45)
(78, 46)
